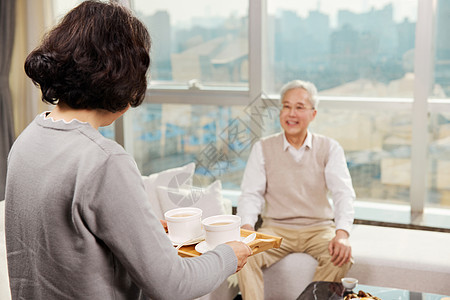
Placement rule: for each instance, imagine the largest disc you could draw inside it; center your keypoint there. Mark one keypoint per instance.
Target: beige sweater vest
(296, 192)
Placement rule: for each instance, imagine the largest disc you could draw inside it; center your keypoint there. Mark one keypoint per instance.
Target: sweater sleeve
(116, 210)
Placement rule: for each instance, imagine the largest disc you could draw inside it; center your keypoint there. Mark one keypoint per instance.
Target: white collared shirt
(337, 177)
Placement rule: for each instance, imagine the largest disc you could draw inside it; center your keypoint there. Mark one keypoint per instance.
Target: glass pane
(442, 48)
(347, 48)
(218, 139)
(108, 131)
(61, 7)
(437, 206)
(377, 144)
(439, 160)
(198, 40)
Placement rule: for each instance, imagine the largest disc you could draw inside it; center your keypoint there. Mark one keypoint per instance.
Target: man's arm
(339, 183)
(251, 201)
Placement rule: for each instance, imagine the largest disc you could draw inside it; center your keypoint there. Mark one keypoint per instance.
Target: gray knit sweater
(79, 226)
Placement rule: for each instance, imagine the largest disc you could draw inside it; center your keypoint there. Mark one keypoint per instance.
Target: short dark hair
(97, 57)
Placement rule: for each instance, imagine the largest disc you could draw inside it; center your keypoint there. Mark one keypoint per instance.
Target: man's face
(296, 113)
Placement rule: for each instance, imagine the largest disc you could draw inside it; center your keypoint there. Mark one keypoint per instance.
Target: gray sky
(182, 10)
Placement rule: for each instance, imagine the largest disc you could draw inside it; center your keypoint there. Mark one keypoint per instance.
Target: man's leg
(251, 281)
(316, 244)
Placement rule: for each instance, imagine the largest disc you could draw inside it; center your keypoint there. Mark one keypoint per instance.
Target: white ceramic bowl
(221, 229)
(349, 283)
(184, 223)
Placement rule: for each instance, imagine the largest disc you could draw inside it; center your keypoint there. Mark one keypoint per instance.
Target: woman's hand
(248, 227)
(242, 252)
(164, 225)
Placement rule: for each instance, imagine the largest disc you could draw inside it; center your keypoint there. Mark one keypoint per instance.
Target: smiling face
(296, 114)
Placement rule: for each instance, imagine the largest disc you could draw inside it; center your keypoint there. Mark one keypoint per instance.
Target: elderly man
(286, 180)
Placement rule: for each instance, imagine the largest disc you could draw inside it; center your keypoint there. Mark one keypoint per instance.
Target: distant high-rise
(406, 36)
(442, 27)
(377, 23)
(442, 60)
(289, 39)
(317, 26)
(161, 33)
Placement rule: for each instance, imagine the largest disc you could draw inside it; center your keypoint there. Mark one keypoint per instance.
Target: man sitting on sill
(286, 180)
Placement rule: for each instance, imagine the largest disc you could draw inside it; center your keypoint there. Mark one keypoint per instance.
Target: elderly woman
(78, 225)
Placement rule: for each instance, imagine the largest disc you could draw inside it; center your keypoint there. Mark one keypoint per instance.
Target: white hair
(309, 87)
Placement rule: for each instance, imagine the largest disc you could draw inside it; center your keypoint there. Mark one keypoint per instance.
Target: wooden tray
(261, 243)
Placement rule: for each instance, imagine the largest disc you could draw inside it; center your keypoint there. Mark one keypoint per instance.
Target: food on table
(361, 296)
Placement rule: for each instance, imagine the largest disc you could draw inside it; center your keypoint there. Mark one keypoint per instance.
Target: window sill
(387, 215)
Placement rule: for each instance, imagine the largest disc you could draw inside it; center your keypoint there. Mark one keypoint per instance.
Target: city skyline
(368, 45)
(182, 11)
(369, 54)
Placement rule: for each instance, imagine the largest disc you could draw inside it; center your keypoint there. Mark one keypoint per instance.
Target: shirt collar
(306, 143)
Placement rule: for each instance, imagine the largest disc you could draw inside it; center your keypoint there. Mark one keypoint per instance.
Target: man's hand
(248, 227)
(242, 252)
(339, 248)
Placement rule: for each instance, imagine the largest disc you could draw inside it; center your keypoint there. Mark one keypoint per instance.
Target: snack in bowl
(361, 296)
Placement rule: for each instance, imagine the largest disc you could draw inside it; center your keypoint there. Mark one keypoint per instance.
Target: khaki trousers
(313, 241)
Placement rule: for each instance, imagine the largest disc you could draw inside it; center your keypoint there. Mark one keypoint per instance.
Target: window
(442, 51)
(353, 49)
(439, 118)
(197, 42)
(170, 135)
(378, 149)
(439, 162)
(217, 138)
(361, 56)
(383, 73)
(347, 48)
(200, 62)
